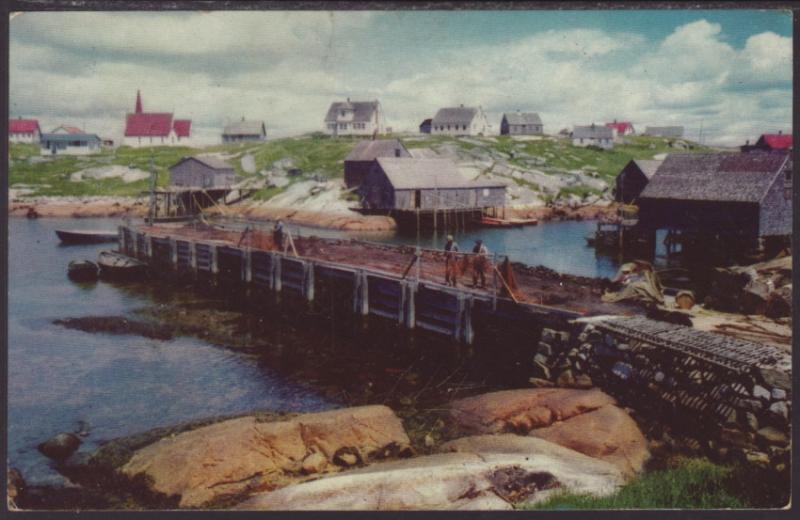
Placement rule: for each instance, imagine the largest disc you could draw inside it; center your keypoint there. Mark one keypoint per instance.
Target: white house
(244, 131)
(355, 118)
(23, 130)
(460, 120)
(593, 135)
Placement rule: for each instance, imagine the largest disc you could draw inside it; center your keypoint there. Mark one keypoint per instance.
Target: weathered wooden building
(664, 131)
(426, 184)
(359, 161)
(738, 198)
(593, 135)
(460, 120)
(521, 123)
(201, 172)
(244, 131)
(633, 178)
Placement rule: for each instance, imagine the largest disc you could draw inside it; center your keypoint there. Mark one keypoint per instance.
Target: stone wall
(728, 406)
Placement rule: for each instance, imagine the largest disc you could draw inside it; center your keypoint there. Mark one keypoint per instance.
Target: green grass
(691, 484)
(314, 154)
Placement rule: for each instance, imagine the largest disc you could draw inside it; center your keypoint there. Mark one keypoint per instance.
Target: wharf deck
(536, 286)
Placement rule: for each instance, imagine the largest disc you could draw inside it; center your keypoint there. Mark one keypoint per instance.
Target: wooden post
(360, 293)
(410, 301)
(121, 236)
(193, 256)
(468, 333)
(149, 246)
(494, 281)
(309, 281)
(214, 258)
(459, 316)
(276, 272)
(173, 250)
(247, 262)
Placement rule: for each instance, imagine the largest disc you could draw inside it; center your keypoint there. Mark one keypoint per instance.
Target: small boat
(81, 236)
(508, 222)
(82, 271)
(115, 265)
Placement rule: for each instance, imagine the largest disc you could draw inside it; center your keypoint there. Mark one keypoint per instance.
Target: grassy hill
(320, 157)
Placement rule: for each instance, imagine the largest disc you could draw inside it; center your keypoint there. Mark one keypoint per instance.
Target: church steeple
(138, 102)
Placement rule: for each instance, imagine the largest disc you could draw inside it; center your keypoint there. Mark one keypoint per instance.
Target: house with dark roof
(359, 161)
(621, 128)
(23, 130)
(69, 141)
(425, 126)
(593, 135)
(743, 196)
(460, 120)
(675, 132)
(408, 184)
(521, 123)
(155, 128)
(632, 179)
(202, 172)
(768, 142)
(354, 118)
(244, 131)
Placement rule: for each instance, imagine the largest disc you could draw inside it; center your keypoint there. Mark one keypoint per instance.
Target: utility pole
(152, 188)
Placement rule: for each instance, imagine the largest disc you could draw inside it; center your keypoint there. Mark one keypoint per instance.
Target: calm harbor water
(60, 379)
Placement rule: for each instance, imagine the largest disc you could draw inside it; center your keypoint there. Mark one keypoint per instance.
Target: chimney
(747, 143)
(397, 152)
(348, 99)
(242, 119)
(461, 105)
(780, 132)
(138, 102)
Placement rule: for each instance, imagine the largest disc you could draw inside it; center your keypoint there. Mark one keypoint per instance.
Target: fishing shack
(404, 187)
(633, 178)
(728, 203)
(360, 159)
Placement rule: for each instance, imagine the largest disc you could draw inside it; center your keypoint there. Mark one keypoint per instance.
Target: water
(118, 385)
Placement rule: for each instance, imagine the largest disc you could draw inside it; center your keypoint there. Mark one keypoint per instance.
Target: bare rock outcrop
(243, 455)
(587, 421)
(492, 472)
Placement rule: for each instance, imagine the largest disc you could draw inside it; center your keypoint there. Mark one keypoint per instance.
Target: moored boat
(86, 236)
(82, 271)
(508, 222)
(115, 265)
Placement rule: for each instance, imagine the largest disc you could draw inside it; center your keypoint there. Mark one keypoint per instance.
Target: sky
(723, 75)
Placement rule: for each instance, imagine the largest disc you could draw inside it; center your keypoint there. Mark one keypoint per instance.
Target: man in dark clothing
(479, 263)
(450, 262)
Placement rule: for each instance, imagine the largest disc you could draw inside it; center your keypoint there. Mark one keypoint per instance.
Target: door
(417, 199)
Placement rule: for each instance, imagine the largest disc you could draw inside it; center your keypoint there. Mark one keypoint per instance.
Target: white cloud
(286, 68)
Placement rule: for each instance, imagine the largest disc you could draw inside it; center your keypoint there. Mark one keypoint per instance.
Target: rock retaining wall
(728, 399)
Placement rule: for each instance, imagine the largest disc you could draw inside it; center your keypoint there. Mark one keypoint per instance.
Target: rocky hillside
(306, 172)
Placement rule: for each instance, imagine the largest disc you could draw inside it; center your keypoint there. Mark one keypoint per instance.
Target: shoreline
(98, 207)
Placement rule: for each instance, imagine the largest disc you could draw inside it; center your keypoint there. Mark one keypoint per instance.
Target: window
(332, 126)
(342, 126)
(485, 192)
(448, 127)
(465, 127)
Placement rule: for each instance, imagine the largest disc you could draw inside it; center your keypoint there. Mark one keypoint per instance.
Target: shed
(521, 123)
(425, 126)
(633, 178)
(202, 172)
(426, 184)
(746, 194)
(593, 135)
(359, 161)
(244, 131)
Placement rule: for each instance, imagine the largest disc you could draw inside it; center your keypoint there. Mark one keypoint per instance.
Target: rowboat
(115, 265)
(82, 271)
(509, 222)
(81, 236)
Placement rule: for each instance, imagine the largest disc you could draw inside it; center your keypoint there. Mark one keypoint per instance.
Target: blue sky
(727, 71)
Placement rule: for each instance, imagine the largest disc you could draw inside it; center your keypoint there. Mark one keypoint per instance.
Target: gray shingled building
(633, 178)
(202, 172)
(460, 120)
(521, 123)
(244, 131)
(593, 135)
(743, 195)
(426, 184)
(359, 161)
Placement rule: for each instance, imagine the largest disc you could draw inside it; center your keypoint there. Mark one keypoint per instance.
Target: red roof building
(779, 141)
(23, 126)
(622, 127)
(156, 127)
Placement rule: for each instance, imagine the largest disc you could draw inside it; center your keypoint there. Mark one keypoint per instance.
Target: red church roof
(776, 141)
(23, 126)
(620, 126)
(155, 124)
(182, 127)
